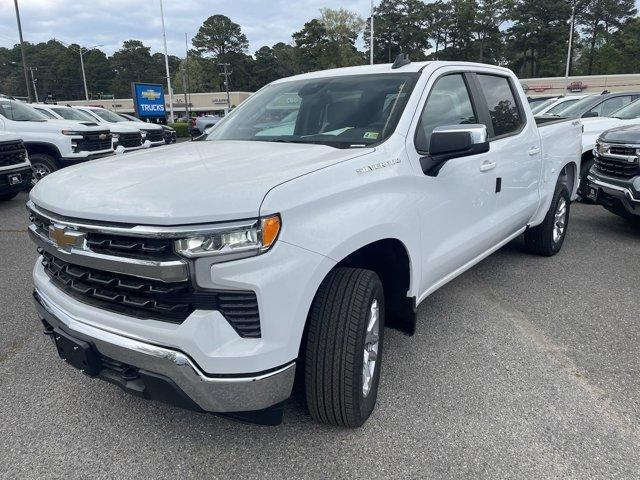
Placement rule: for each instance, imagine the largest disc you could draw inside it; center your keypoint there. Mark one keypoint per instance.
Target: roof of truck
(385, 68)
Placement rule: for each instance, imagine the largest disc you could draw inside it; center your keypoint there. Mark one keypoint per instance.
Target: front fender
(336, 211)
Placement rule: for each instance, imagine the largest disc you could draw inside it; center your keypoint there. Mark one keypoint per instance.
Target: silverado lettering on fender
(263, 250)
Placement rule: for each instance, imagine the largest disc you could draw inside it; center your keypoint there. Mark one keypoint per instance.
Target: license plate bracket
(592, 193)
(77, 353)
(14, 179)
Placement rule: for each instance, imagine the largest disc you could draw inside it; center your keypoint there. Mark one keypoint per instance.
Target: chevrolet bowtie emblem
(65, 238)
(102, 136)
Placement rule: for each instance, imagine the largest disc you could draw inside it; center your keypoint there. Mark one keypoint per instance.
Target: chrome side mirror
(453, 141)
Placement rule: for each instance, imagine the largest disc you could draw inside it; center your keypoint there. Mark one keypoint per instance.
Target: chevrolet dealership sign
(148, 99)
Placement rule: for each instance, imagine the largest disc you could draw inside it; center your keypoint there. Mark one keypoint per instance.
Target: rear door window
(504, 111)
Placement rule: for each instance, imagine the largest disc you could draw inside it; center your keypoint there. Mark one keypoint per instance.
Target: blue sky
(110, 22)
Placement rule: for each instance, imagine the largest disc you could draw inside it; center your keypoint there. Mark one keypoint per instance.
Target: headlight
(71, 132)
(233, 241)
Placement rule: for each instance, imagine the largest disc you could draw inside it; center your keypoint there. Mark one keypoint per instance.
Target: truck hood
(121, 127)
(142, 125)
(625, 134)
(196, 182)
(55, 126)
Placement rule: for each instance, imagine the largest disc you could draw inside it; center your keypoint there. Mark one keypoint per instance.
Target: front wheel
(547, 238)
(344, 347)
(42, 165)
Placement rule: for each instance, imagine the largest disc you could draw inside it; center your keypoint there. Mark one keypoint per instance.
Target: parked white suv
(210, 283)
(152, 134)
(52, 144)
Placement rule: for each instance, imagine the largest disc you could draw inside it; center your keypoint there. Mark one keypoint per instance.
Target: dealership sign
(148, 99)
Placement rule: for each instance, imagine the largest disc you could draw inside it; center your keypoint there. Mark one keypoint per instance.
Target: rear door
(516, 148)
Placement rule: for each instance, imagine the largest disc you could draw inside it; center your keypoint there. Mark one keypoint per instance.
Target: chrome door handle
(534, 151)
(487, 165)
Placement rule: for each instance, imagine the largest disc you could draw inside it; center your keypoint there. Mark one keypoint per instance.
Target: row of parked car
(610, 172)
(37, 139)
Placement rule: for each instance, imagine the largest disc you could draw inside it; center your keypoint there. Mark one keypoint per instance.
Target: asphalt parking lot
(523, 367)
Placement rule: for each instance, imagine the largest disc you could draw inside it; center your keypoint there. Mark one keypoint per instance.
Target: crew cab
(52, 144)
(209, 284)
(152, 135)
(15, 168)
(614, 178)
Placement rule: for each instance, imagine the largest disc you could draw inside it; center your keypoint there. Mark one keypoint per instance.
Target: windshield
(46, 113)
(628, 112)
(342, 112)
(107, 115)
(561, 107)
(538, 107)
(534, 102)
(578, 108)
(71, 114)
(19, 112)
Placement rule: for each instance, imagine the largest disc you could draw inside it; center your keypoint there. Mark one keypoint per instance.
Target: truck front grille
(12, 153)
(95, 141)
(615, 167)
(155, 135)
(135, 247)
(142, 298)
(130, 140)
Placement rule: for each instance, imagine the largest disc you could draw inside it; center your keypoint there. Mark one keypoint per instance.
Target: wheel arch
(44, 148)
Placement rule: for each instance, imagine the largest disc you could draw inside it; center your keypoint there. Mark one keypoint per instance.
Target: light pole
(226, 75)
(371, 35)
(81, 51)
(33, 81)
(24, 57)
(566, 72)
(166, 64)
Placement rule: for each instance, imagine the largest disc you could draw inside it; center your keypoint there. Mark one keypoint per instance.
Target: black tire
(540, 240)
(42, 165)
(583, 187)
(8, 196)
(334, 356)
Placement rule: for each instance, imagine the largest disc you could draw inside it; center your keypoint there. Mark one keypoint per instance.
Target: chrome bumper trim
(148, 231)
(168, 272)
(212, 394)
(628, 193)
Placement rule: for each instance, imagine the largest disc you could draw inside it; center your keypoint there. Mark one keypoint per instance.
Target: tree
(599, 17)
(219, 36)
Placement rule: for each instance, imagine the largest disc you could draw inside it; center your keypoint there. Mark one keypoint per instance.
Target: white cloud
(110, 22)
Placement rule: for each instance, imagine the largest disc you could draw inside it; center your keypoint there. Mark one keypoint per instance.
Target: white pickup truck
(52, 144)
(210, 283)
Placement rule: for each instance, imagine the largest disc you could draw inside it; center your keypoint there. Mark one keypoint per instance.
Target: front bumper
(6, 186)
(85, 157)
(140, 361)
(607, 190)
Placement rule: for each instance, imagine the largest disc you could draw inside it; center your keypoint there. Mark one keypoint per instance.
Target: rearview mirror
(453, 141)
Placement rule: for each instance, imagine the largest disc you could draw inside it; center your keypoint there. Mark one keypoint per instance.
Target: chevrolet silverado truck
(52, 144)
(15, 168)
(152, 134)
(614, 178)
(211, 283)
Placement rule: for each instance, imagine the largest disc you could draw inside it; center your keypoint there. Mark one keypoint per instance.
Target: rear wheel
(344, 347)
(547, 238)
(42, 165)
